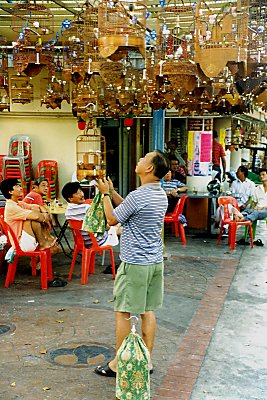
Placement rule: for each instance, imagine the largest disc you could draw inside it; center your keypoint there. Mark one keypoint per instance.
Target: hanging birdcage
(37, 17)
(34, 23)
(53, 90)
(92, 57)
(91, 155)
(4, 94)
(222, 37)
(73, 51)
(84, 99)
(122, 27)
(21, 90)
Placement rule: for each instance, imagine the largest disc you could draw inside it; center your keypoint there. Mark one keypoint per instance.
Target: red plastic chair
(44, 255)
(88, 254)
(173, 219)
(226, 219)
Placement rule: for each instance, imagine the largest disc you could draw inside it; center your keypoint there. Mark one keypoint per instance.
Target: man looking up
(29, 222)
(138, 285)
(218, 155)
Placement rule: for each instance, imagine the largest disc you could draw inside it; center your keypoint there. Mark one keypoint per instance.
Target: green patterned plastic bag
(95, 220)
(133, 379)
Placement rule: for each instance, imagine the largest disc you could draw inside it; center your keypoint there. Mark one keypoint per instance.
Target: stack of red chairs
(48, 169)
(1, 166)
(18, 163)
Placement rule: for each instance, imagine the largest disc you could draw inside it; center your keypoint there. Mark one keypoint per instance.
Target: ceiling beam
(61, 4)
(7, 10)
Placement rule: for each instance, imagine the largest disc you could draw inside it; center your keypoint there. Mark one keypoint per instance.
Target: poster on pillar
(199, 147)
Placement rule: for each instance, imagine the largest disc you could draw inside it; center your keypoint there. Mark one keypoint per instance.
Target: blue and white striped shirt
(142, 215)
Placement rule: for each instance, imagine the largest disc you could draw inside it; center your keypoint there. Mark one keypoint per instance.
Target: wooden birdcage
(21, 90)
(122, 27)
(4, 94)
(221, 38)
(92, 57)
(84, 98)
(91, 155)
(257, 32)
(73, 51)
(53, 90)
(37, 17)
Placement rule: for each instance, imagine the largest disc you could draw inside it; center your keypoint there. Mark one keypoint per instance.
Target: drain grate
(6, 328)
(79, 355)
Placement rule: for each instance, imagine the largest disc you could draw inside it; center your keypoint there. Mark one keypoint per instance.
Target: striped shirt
(142, 215)
(168, 186)
(77, 212)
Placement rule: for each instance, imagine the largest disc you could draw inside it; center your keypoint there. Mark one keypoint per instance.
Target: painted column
(158, 129)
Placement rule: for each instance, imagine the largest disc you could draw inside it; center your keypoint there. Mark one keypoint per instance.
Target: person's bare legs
(149, 331)
(35, 229)
(123, 328)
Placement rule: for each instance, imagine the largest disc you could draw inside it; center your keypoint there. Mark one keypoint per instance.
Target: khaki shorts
(27, 242)
(138, 288)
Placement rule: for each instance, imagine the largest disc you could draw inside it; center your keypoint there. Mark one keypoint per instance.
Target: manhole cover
(80, 355)
(6, 328)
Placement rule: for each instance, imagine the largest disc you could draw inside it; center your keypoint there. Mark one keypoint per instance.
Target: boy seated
(77, 208)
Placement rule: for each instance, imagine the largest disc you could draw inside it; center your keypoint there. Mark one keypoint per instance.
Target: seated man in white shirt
(258, 209)
(77, 209)
(243, 188)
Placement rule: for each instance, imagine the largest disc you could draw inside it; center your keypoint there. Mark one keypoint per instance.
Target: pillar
(158, 130)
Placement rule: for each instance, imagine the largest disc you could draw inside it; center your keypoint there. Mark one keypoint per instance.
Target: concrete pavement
(211, 336)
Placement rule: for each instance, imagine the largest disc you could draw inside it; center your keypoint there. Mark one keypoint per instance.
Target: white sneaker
(112, 239)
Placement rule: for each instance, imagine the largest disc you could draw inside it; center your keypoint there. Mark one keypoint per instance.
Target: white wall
(52, 138)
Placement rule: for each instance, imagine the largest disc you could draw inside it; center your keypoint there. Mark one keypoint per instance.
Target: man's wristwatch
(105, 194)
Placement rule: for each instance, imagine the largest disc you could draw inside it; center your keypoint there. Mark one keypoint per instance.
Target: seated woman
(173, 187)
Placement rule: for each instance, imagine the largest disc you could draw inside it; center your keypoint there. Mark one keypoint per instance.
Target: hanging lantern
(128, 122)
(81, 124)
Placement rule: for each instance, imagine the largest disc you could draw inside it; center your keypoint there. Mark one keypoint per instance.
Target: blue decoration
(66, 24)
(134, 20)
(153, 34)
(147, 39)
(147, 14)
(260, 29)
(162, 3)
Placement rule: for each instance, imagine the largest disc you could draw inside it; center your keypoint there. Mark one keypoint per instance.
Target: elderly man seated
(39, 189)
(243, 188)
(172, 188)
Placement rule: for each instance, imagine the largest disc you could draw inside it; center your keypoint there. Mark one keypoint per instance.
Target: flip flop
(258, 242)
